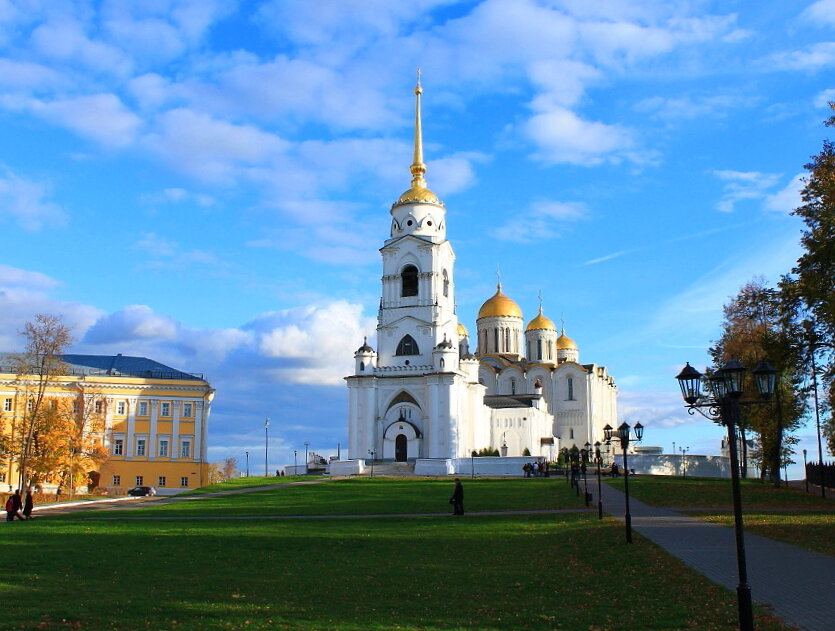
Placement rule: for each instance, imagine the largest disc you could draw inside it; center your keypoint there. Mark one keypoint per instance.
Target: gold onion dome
(418, 193)
(462, 330)
(499, 305)
(565, 343)
(540, 322)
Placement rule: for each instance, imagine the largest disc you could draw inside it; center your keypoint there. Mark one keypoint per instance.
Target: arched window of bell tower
(409, 281)
(446, 284)
(407, 346)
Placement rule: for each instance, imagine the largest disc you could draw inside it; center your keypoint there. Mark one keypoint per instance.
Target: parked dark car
(141, 491)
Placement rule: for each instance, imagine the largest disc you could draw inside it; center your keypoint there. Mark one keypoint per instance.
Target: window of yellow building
(7, 405)
(117, 480)
(118, 447)
(140, 446)
(143, 409)
(184, 481)
(165, 408)
(185, 449)
(161, 480)
(188, 410)
(163, 448)
(139, 480)
(121, 407)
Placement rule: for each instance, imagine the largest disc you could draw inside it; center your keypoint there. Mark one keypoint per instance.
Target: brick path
(796, 583)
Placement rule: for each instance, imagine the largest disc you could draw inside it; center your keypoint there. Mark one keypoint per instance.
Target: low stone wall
(483, 466)
(339, 467)
(679, 465)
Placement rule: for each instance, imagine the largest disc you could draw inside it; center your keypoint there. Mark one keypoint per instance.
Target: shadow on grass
(507, 572)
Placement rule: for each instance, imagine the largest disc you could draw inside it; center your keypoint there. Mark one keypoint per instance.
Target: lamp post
(306, 444)
(622, 434)
(585, 457)
(805, 472)
(371, 452)
(247, 463)
(722, 406)
(598, 458)
(266, 445)
(295, 468)
(684, 451)
(472, 462)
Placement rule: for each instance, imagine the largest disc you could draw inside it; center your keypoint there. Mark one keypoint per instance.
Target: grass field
(812, 530)
(363, 496)
(552, 571)
(714, 492)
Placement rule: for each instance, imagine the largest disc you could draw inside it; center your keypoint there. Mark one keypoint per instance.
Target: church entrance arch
(401, 448)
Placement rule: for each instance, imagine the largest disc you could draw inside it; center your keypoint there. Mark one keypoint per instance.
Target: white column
(129, 447)
(152, 431)
(174, 448)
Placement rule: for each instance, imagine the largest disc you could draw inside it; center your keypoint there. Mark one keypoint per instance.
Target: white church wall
(674, 465)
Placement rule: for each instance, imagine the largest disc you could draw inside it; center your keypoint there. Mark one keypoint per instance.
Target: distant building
(421, 394)
(153, 419)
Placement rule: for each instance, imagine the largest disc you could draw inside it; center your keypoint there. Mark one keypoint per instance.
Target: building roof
(113, 366)
(496, 401)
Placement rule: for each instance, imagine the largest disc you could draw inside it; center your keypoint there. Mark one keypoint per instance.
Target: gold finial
(498, 278)
(418, 168)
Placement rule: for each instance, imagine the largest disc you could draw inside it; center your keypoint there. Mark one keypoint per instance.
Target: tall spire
(418, 168)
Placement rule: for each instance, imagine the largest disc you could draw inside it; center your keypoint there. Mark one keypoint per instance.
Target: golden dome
(462, 330)
(540, 322)
(418, 195)
(499, 305)
(565, 343)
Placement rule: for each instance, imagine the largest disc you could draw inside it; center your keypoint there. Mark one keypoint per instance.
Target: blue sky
(207, 182)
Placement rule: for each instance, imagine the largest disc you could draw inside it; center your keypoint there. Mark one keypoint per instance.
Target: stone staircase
(392, 469)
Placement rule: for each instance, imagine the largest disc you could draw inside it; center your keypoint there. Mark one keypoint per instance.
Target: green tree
(754, 329)
(809, 290)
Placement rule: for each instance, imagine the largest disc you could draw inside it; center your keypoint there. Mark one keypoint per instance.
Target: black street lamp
(598, 458)
(295, 466)
(247, 463)
(722, 406)
(622, 434)
(684, 451)
(472, 462)
(805, 471)
(585, 455)
(266, 445)
(371, 453)
(306, 458)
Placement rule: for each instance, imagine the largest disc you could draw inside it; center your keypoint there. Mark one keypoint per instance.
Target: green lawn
(812, 530)
(713, 492)
(245, 483)
(362, 496)
(556, 571)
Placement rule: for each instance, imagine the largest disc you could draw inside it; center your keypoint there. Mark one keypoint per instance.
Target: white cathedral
(421, 395)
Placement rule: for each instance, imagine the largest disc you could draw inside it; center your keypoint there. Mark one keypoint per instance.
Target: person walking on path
(13, 506)
(457, 499)
(28, 503)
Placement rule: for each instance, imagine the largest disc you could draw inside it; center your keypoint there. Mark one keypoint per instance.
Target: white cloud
(742, 185)
(167, 254)
(99, 117)
(130, 324)
(208, 148)
(821, 13)
(542, 220)
(22, 200)
(787, 199)
(608, 257)
(682, 108)
(824, 98)
(25, 74)
(563, 137)
(65, 40)
(15, 277)
(813, 57)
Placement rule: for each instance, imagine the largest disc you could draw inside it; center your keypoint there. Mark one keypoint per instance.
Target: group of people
(15, 505)
(535, 469)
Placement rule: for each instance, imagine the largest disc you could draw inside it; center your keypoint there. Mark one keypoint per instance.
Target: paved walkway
(796, 583)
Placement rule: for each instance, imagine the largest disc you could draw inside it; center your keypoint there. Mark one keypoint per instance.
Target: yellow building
(152, 419)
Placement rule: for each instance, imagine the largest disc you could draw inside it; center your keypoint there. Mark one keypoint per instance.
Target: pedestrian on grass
(15, 506)
(457, 499)
(28, 503)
